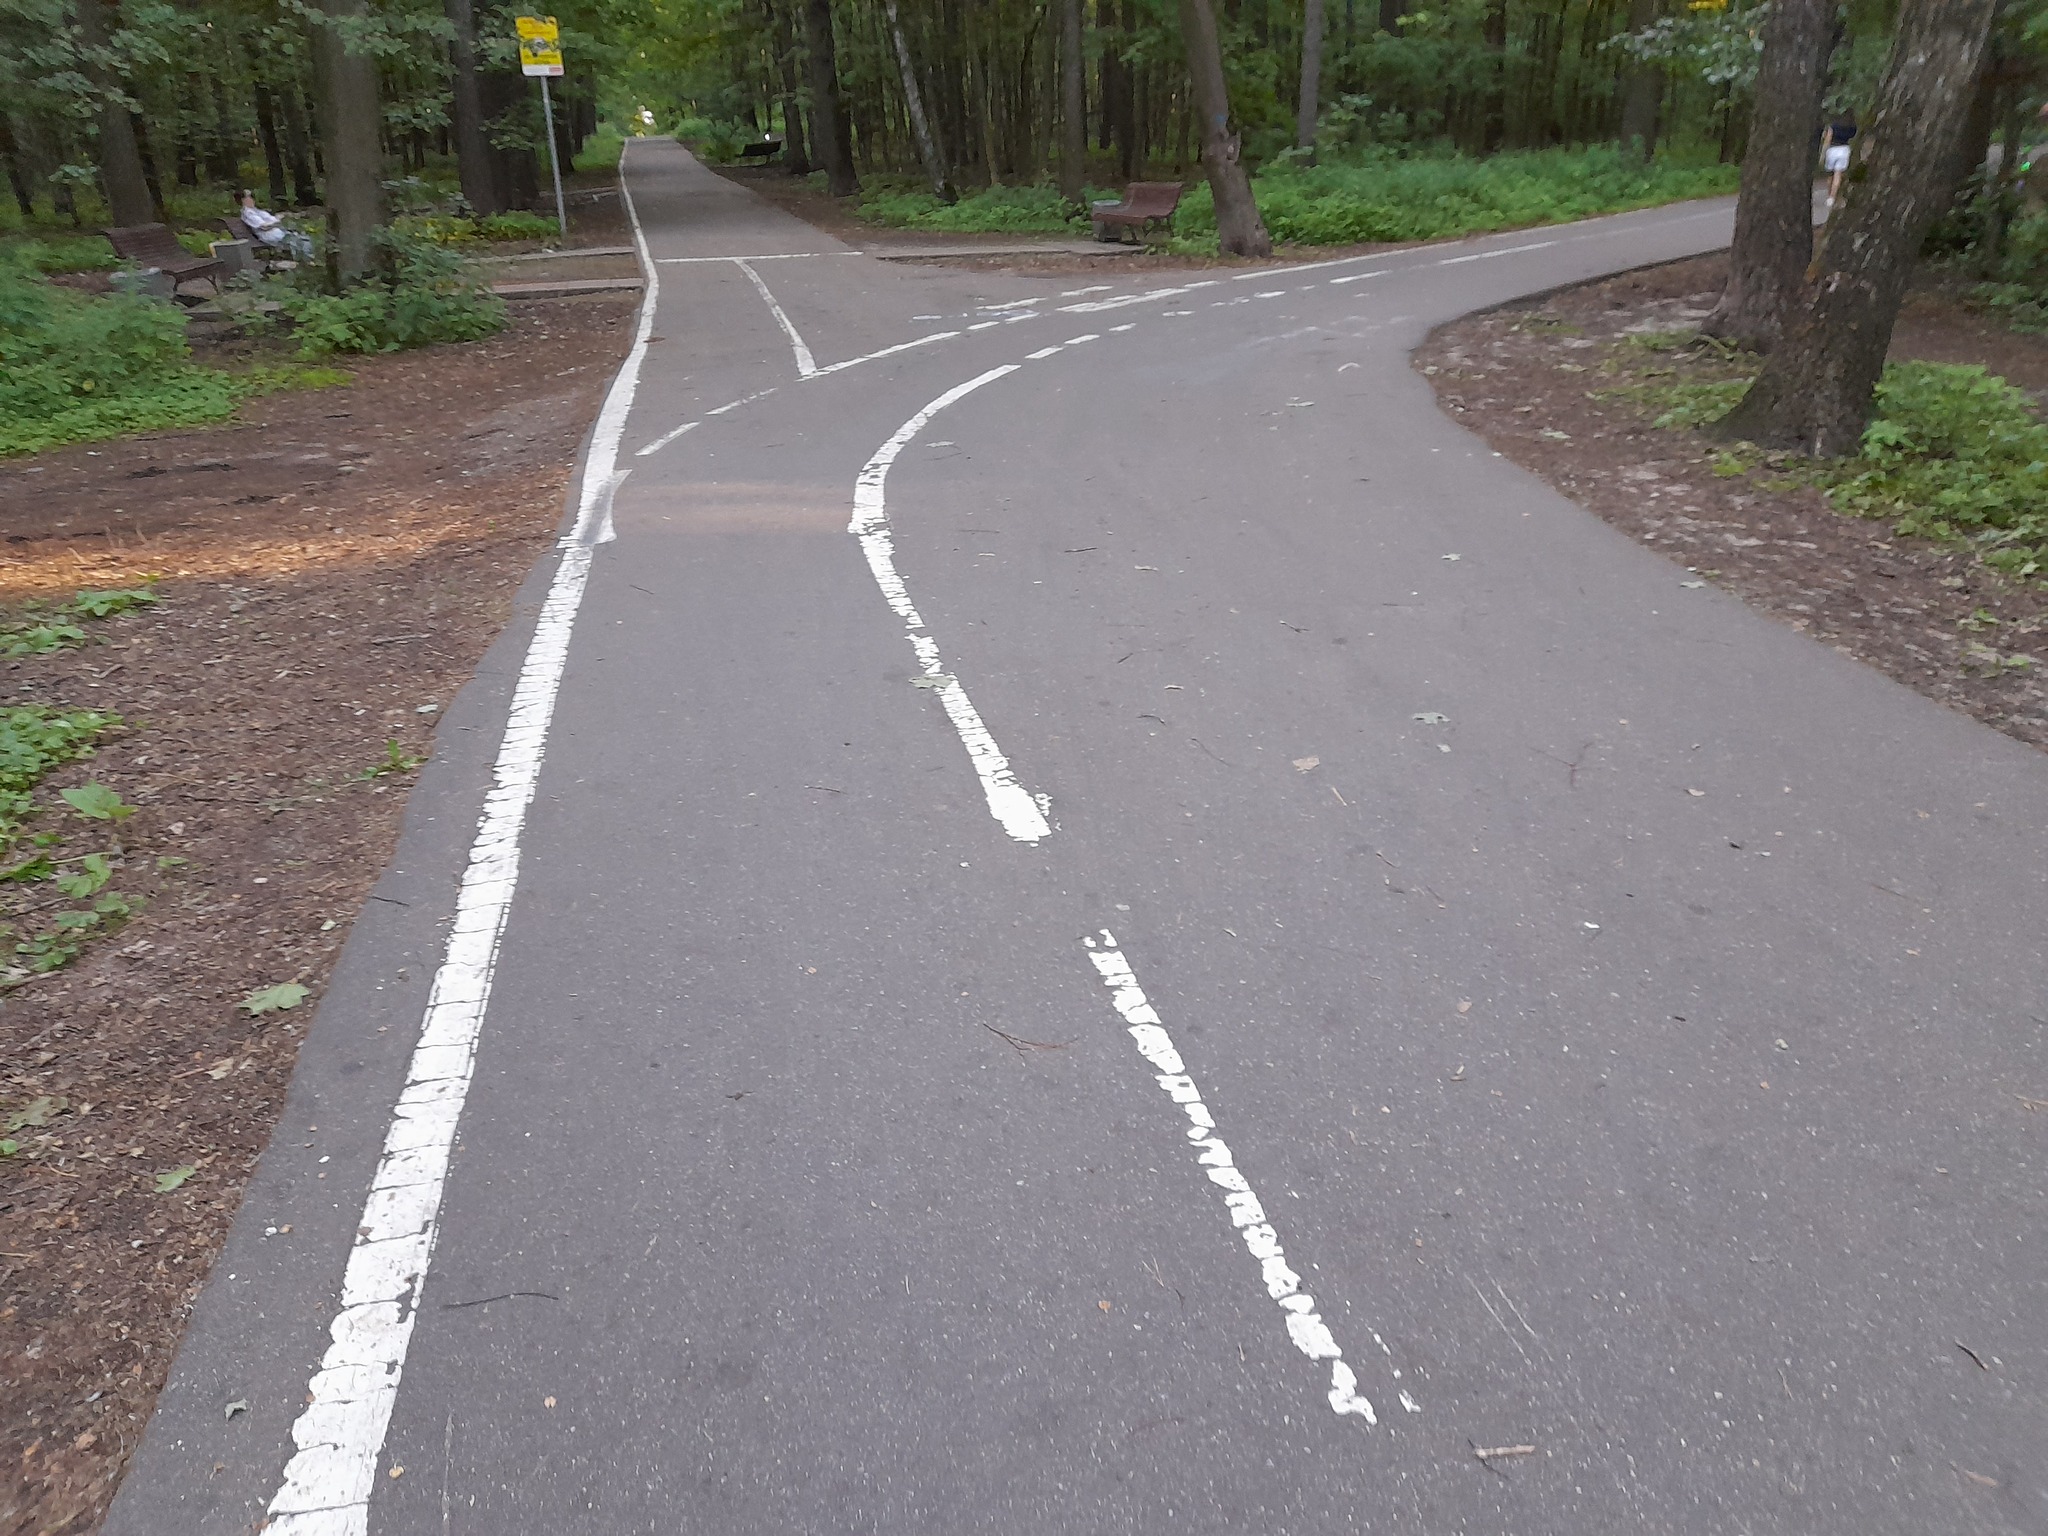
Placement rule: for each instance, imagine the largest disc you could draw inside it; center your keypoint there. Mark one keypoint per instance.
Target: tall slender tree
(1073, 103)
(474, 163)
(929, 149)
(1815, 389)
(1773, 242)
(1311, 102)
(1239, 229)
(351, 124)
(1642, 92)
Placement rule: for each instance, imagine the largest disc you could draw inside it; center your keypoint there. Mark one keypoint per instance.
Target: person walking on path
(1834, 156)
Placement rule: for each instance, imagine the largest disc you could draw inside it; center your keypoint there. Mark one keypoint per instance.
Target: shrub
(1953, 453)
(1383, 197)
(1037, 209)
(422, 295)
(460, 229)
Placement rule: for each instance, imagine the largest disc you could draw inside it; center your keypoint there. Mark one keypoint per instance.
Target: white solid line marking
(1310, 1334)
(806, 365)
(1359, 277)
(325, 1490)
(665, 439)
(869, 357)
(1020, 813)
(686, 261)
(1512, 250)
(600, 477)
(1041, 352)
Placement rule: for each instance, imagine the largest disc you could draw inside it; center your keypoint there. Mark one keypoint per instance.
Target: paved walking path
(1119, 928)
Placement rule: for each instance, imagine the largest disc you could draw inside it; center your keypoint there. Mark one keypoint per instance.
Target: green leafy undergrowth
(37, 630)
(1951, 453)
(459, 229)
(1036, 210)
(1387, 197)
(76, 368)
(423, 294)
(36, 937)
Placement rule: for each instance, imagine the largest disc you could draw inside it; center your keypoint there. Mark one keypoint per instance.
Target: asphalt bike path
(1102, 922)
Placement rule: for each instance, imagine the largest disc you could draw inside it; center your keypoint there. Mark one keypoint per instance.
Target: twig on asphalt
(1959, 1344)
(484, 1301)
(1020, 1045)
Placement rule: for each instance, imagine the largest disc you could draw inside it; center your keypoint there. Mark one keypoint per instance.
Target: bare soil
(1538, 381)
(331, 566)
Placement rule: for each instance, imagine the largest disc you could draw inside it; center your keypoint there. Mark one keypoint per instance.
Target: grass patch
(898, 203)
(1385, 198)
(460, 229)
(1952, 453)
(601, 151)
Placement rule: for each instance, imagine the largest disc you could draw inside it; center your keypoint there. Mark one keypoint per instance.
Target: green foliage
(37, 633)
(96, 802)
(102, 605)
(1035, 209)
(173, 1178)
(34, 739)
(1953, 453)
(600, 151)
(459, 229)
(423, 295)
(1382, 197)
(396, 760)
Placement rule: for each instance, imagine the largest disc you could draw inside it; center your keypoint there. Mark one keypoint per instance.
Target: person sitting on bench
(270, 229)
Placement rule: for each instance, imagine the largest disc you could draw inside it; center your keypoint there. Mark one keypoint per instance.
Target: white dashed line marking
(1305, 1326)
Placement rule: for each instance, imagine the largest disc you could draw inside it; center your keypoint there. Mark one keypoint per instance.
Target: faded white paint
(1019, 812)
(1305, 1326)
(806, 365)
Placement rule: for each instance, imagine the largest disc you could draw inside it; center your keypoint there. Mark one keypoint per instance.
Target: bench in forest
(1145, 202)
(767, 149)
(267, 255)
(153, 245)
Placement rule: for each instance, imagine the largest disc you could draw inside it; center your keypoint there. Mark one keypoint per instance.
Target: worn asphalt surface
(1629, 1012)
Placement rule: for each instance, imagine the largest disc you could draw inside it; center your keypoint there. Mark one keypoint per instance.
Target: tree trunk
(481, 186)
(1239, 229)
(929, 150)
(1391, 12)
(1073, 104)
(1494, 118)
(1311, 75)
(305, 191)
(1999, 195)
(1643, 91)
(796, 155)
(150, 179)
(128, 200)
(273, 155)
(16, 180)
(1773, 242)
(1814, 392)
(345, 86)
(831, 130)
(224, 160)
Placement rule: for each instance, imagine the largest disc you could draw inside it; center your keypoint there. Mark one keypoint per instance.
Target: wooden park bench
(266, 255)
(1145, 202)
(767, 149)
(153, 245)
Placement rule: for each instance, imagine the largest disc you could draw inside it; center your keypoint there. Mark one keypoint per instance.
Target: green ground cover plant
(1388, 197)
(1951, 453)
(424, 294)
(461, 230)
(899, 203)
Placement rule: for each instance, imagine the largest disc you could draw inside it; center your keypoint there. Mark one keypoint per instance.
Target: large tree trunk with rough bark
(1642, 94)
(1815, 390)
(1239, 229)
(345, 101)
(831, 133)
(128, 199)
(1773, 243)
(1311, 103)
(928, 148)
(1073, 104)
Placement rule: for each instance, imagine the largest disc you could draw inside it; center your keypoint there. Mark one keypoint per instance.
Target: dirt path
(1539, 381)
(330, 567)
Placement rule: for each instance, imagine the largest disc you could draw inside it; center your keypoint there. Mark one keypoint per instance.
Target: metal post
(547, 104)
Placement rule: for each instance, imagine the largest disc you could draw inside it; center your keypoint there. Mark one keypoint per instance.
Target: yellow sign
(540, 45)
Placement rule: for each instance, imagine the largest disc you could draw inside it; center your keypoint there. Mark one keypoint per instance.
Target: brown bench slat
(1145, 202)
(153, 245)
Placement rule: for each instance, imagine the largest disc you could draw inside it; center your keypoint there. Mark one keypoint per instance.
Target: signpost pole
(554, 159)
